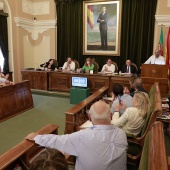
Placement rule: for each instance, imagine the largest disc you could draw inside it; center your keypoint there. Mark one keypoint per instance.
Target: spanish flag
(90, 16)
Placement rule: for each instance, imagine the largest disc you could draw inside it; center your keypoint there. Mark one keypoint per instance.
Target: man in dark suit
(102, 20)
(129, 68)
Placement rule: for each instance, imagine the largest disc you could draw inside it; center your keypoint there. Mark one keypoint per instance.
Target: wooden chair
(116, 67)
(96, 66)
(77, 65)
(136, 143)
(55, 63)
(135, 66)
(154, 154)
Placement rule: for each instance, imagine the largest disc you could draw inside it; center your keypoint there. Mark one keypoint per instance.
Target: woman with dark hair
(50, 159)
(49, 65)
(88, 65)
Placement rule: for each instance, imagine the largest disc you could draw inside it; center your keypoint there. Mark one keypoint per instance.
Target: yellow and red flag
(90, 16)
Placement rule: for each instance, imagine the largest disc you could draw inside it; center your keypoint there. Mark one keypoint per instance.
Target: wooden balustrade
(15, 99)
(78, 114)
(24, 150)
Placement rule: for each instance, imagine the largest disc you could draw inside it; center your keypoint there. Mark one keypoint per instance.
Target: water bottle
(17, 167)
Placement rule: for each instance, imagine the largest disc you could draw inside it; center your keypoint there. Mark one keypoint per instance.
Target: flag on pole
(90, 16)
(168, 49)
(161, 43)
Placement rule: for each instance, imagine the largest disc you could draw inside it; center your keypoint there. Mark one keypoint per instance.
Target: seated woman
(88, 65)
(133, 118)
(49, 65)
(50, 159)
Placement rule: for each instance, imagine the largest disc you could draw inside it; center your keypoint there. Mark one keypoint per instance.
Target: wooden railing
(154, 153)
(15, 99)
(78, 114)
(24, 151)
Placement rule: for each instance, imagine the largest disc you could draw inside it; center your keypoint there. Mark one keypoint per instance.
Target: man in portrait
(102, 20)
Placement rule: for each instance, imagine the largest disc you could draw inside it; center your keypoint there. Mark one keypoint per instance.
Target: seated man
(138, 86)
(156, 59)
(129, 68)
(109, 67)
(100, 147)
(69, 65)
(126, 98)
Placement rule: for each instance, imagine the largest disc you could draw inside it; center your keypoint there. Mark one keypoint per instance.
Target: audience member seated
(133, 118)
(49, 65)
(156, 59)
(100, 147)
(126, 98)
(138, 86)
(69, 65)
(49, 159)
(108, 67)
(131, 83)
(6, 76)
(129, 68)
(126, 89)
(88, 65)
(4, 82)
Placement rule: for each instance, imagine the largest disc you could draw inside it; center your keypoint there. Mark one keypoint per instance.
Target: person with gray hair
(101, 147)
(138, 86)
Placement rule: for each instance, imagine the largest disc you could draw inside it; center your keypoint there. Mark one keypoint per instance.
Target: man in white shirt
(69, 65)
(109, 67)
(156, 59)
(101, 147)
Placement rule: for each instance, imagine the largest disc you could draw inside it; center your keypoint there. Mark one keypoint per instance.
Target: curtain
(137, 32)
(4, 41)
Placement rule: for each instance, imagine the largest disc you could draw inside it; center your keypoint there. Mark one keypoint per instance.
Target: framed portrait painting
(101, 27)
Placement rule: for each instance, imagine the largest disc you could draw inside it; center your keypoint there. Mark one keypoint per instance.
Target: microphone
(37, 65)
(37, 69)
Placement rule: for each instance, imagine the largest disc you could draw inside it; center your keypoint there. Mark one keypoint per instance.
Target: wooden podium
(151, 73)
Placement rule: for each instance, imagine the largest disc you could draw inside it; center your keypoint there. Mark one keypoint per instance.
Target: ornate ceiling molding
(163, 20)
(35, 8)
(35, 27)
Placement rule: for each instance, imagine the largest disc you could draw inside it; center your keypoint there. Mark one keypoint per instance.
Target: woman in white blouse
(133, 118)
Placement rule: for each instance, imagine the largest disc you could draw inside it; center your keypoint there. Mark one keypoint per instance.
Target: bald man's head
(128, 62)
(100, 113)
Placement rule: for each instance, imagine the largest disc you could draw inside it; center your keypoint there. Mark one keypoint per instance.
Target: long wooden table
(61, 81)
(15, 99)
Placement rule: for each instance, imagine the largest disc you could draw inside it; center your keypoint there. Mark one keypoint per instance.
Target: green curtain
(137, 32)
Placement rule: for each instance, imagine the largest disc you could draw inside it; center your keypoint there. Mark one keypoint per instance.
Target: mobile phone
(119, 98)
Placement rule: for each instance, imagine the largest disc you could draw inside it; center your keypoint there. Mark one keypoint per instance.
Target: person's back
(126, 98)
(104, 145)
(138, 86)
(101, 147)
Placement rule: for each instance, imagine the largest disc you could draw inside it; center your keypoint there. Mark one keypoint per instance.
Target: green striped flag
(161, 43)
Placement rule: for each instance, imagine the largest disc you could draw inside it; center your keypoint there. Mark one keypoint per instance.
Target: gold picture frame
(101, 27)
